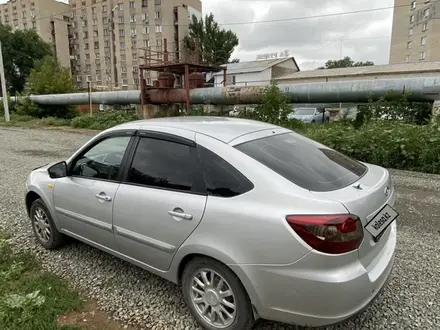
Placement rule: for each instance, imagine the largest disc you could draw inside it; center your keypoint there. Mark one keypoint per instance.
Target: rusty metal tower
(177, 73)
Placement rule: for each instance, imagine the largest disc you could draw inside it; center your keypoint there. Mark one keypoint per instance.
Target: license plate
(381, 221)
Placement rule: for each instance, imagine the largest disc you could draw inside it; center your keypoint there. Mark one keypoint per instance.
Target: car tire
(43, 226)
(243, 316)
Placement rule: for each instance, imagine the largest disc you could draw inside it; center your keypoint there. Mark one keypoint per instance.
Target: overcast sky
(366, 36)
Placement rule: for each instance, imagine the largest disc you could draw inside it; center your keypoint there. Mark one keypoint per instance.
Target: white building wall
(246, 79)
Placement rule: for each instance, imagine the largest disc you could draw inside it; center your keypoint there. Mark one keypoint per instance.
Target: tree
(216, 45)
(344, 63)
(49, 77)
(274, 107)
(20, 48)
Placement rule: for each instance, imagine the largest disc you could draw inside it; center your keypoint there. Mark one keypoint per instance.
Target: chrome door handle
(180, 215)
(102, 196)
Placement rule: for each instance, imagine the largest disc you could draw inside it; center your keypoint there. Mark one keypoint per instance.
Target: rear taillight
(333, 234)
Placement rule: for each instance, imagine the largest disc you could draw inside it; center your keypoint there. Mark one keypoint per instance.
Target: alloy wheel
(213, 298)
(41, 225)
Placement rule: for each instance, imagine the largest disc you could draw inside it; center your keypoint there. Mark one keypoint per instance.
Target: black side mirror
(58, 170)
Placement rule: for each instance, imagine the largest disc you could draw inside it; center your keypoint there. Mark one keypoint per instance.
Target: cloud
(313, 41)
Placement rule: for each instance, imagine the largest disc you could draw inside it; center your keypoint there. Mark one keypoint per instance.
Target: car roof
(224, 129)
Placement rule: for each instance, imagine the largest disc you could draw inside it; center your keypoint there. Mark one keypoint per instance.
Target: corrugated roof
(366, 70)
(253, 66)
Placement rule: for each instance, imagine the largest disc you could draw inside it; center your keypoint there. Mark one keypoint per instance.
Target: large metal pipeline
(421, 88)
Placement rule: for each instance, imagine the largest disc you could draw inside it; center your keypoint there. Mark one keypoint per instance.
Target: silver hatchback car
(251, 220)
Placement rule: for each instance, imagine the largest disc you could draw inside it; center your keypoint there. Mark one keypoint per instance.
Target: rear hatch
(365, 198)
(362, 188)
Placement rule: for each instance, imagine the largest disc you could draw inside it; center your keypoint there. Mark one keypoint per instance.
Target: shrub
(384, 143)
(103, 120)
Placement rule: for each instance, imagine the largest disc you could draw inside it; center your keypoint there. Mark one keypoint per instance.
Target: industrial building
(386, 71)
(256, 73)
(48, 18)
(416, 31)
(109, 38)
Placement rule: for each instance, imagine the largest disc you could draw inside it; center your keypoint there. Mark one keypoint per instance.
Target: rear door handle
(180, 215)
(102, 196)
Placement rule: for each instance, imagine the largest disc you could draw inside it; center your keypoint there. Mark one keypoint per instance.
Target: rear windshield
(304, 162)
(304, 111)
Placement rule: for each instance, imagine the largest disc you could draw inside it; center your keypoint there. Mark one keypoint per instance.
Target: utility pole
(89, 83)
(113, 46)
(3, 83)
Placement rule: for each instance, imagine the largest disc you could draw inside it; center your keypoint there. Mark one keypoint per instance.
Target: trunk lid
(365, 198)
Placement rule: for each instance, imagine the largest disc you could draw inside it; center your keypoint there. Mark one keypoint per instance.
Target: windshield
(303, 111)
(304, 162)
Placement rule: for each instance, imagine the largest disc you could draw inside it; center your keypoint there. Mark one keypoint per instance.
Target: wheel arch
(183, 258)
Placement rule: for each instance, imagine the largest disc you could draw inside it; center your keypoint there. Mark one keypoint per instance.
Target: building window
(133, 44)
(423, 41)
(122, 45)
(93, 10)
(144, 3)
(85, 35)
(132, 5)
(106, 32)
(146, 43)
(425, 27)
(132, 18)
(411, 19)
(104, 9)
(408, 58)
(145, 30)
(121, 6)
(145, 17)
(413, 5)
(95, 33)
(96, 45)
(121, 19)
(106, 44)
(426, 13)
(135, 69)
(411, 31)
(86, 46)
(159, 42)
(422, 55)
(95, 22)
(97, 55)
(133, 31)
(409, 44)
(158, 28)
(121, 33)
(87, 56)
(157, 14)
(157, 2)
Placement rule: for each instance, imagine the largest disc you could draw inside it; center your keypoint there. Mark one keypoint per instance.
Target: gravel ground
(145, 301)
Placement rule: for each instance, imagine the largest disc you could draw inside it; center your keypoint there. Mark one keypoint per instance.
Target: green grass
(31, 299)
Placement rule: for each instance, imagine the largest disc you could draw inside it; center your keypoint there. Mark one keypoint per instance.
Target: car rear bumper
(316, 291)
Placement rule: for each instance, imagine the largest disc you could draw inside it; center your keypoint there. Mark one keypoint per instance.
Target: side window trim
(130, 133)
(164, 137)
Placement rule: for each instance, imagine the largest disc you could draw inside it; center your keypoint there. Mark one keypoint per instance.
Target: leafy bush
(104, 120)
(385, 143)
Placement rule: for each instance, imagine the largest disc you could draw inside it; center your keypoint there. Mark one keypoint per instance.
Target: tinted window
(301, 161)
(221, 178)
(166, 164)
(103, 160)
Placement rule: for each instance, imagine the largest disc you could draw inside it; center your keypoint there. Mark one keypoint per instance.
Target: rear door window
(304, 162)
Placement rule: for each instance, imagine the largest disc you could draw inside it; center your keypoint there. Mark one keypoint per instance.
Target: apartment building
(416, 31)
(49, 18)
(108, 38)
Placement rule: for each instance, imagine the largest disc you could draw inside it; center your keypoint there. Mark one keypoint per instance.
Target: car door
(84, 199)
(161, 199)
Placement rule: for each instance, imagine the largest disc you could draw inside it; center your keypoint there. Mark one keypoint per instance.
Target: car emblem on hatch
(387, 191)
